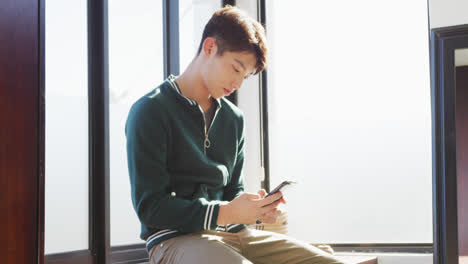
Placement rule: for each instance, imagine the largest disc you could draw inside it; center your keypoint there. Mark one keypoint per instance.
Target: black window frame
(444, 42)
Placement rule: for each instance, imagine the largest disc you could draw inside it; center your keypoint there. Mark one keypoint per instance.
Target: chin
(217, 95)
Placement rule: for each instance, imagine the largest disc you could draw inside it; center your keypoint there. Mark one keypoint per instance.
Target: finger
(270, 199)
(271, 217)
(262, 193)
(283, 200)
(269, 213)
(274, 213)
(269, 207)
(263, 218)
(253, 196)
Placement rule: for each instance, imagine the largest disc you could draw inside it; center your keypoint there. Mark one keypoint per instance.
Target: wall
(444, 13)
(461, 57)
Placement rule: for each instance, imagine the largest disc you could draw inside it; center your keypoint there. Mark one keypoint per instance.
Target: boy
(185, 146)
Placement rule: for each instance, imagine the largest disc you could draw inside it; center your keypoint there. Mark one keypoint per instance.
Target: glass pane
(135, 68)
(66, 139)
(350, 119)
(193, 16)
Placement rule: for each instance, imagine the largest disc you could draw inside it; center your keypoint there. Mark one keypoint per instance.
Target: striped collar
(172, 82)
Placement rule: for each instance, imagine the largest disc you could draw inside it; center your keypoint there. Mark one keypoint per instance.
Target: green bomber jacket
(180, 172)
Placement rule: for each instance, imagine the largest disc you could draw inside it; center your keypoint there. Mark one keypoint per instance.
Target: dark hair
(235, 31)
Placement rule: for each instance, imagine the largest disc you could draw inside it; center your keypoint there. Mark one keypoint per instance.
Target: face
(223, 74)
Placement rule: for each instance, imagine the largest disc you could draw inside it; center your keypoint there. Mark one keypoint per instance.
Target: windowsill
(385, 258)
(357, 258)
(464, 260)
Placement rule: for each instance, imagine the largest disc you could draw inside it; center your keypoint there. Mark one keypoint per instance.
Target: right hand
(271, 216)
(248, 208)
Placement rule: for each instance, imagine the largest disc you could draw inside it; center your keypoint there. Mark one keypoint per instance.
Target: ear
(209, 46)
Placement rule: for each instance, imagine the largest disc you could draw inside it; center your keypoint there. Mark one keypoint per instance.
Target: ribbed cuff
(211, 216)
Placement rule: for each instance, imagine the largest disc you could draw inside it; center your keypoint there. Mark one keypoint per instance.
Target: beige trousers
(247, 246)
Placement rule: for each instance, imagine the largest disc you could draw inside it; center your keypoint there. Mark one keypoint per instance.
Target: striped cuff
(232, 228)
(159, 234)
(211, 216)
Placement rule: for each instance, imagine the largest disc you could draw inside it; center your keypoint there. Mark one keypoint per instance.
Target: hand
(270, 217)
(248, 208)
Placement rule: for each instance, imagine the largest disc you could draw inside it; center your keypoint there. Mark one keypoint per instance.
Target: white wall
(444, 13)
(461, 57)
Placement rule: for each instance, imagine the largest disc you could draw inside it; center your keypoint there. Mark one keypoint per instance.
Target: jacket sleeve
(236, 186)
(147, 141)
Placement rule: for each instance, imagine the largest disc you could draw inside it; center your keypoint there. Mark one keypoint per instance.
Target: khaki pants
(247, 246)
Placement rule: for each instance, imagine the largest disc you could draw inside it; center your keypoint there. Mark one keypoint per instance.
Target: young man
(185, 145)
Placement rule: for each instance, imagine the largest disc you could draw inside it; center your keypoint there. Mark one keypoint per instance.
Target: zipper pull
(207, 142)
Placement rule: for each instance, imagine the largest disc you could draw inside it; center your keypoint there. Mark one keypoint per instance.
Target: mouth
(227, 92)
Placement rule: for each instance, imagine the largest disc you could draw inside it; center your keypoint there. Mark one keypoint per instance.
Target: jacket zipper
(206, 142)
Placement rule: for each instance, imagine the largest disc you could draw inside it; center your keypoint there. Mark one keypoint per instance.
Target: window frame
(444, 42)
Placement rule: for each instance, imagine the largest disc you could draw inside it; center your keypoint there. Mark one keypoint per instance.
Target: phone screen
(282, 186)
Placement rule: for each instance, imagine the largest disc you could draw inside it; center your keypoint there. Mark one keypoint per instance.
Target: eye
(234, 68)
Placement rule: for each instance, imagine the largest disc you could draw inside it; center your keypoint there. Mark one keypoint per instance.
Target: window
(135, 68)
(350, 119)
(193, 16)
(66, 130)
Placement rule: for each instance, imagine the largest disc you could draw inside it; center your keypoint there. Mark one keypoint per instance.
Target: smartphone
(281, 187)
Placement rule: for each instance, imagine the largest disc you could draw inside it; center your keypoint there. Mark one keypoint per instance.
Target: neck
(191, 85)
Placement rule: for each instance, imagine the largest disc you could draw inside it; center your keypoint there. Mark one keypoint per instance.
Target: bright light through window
(66, 127)
(193, 16)
(350, 119)
(135, 68)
